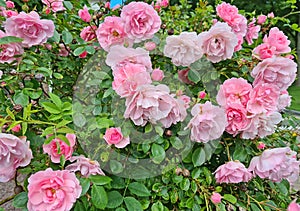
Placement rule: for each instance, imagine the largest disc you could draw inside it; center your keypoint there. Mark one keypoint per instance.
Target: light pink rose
(183, 49)
(9, 13)
(276, 164)
(183, 76)
(141, 21)
(280, 71)
(239, 25)
(208, 122)
(271, 15)
(56, 148)
(240, 42)
(86, 166)
(284, 100)
(232, 172)
(157, 74)
(88, 33)
(150, 46)
(218, 43)
(278, 40)
(186, 100)
(128, 78)
(114, 136)
(30, 28)
(289, 56)
(54, 5)
(216, 198)
(293, 206)
(252, 32)
(261, 19)
(119, 55)
(154, 104)
(264, 51)
(10, 4)
(9, 51)
(14, 153)
(227, 11)
(234, 90)
(84, 14)
(16, 128)
(53, 190)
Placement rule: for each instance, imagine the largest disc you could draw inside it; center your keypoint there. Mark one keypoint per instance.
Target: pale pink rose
(10, 4)
(83, 55)
(88, 33)
(261, 145)
(261, 19)
(202, 95)
(157, 74)
(53, 190)
(154, 104)
(84, 14)
(276, 164)
(216, 198)
(227, 11)
(239, 25)
(150, 46)
(141, 21)
(252, 32)
(16, 128)
(114, 136)
(280, 71)
(9, 51)
(56, 148)
(186, 100)
(218, 43)
(264, 51)
(240, 42)
(54, 5)
(234, 90)
(183, 49)
(111, 32)
(284, 100)
(128, 78)
(293, 206)
(119, 55)
(232, 172)
(263, 98)
(14, 153)
(183, 76)
(278, 40)
(30, 28)
(63, 51)
(271, 15)
(86, 166)
(208, 122)
(9, 13)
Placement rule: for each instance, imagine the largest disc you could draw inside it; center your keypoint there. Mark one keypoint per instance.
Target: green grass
(294, 91)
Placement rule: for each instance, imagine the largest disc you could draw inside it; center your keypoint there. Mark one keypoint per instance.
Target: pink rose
(183, 49)
(289, 56)
(54, 5)
(63, 51)
(261, 19)
(150, 46)
(9, 51)
(10, 4)
(264, 51)
(16, 128)
(276, 164)
(141, 21)
(162, 3)
(88, 33)
(157, 74)
(208, 122)
(278, 40)
(293, 206)
(239, 25)
(14, 153)
(107, 5)
(252, 32)
(218, 43)
(52, 190)
(9, 13)
(227, 11)
(186, 100)
(261, 145)
(183, 76)
(284, 100)
(240, 42)
(128, 78)
(232, 172)
(202, 95)
(216, 198)
(276, 70)
(271, 15)
(30, 28)
(86, 166)
(84, 14)
(56, 148)
(114, 136)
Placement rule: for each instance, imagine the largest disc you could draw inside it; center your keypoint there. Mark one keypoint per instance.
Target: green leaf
(64, 139)
(68, 5)
(115, 199)
(240, 154)
(108, 92)
(32, 93)
(157, 206)
(10, 114)
(79, 119)
(79, 51)
(194, 76)
(176, 143)
(2, 3)
(56, 37)
(228, 197)
(198, 157)
(58, 76)
(159, 131)
(20, 200)
(138, 189)
(21, 98)
(9, 39)
(104, 123)
(254, 207)
(56, 100)
(90, 49)
(63, 123)
(99, 197)
(51, 108)
(85, 184)
(132, 204)
(99, 179)
(158, 153)
(79, 206)
(115, 166)
(67, 37)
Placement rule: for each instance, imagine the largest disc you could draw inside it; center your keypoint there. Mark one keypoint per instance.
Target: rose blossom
(62, 50)
(208, 122)
(30, 28)
(216, 198)
(261, 145)
(284, 100)
(114, 136)
(240, 42)
(9, 51)
(264, 51)
(280, 71)
(88, 33)
(271, 15)
(14, 153)
(202, 95)
(10, 4)
(53, 190)
(54, 5)
(261, 19)
(293, 206)
(227, 11)
(232, 172)
(10, 13)
(141, 21)
(150, 46)
(84, 14)
(183, 49)
(56, 148)
(278, 40)
(186, 100)
(157, 74)
(16, 128)
(239, 25)
(252, 32)
(218, 43)
(86, 166)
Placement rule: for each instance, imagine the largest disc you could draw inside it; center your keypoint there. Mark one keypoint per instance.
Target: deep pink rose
(14, 153)
(9, 13)
(227, 11)
(218, 43)
(56, 148)
(88, 33)
(114, 136)
(261, 19)
(284, 100)
(54, 5)
(280, 71)
(277, 39)
(9, 51)
(86, 166)
(83, 55)
(202, 95)
(16, 128)
(141, 21)
(232, 172)
(30, 28)
(52, 190)
(157, 74)
(264, 51)
(183, 49)
(84, 14)
(216, 198)
(150, 46)
(208, 122)
(293, 206)
(252, 32)
(261, 145)
(10, 4)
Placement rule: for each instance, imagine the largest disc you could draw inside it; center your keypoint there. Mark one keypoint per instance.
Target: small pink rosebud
(10, 4)
(107, 5)
(10, 13)
(214, 21)
(261, 19)
(271, 15)
(157, 7)
(157, 74)
(84, 14)
(216, 198)
(47, 11)
(150, 46)
(16, 128)
(83, 55)
(261, 145)
(202, 95)
(290, 56)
